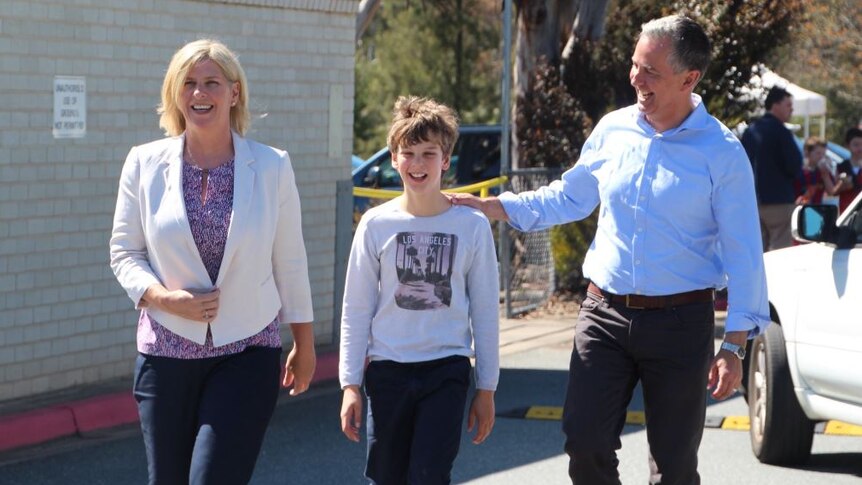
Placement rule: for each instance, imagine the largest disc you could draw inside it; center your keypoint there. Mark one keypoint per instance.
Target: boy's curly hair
(417, 120)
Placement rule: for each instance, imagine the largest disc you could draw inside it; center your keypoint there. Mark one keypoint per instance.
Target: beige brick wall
(64, 320)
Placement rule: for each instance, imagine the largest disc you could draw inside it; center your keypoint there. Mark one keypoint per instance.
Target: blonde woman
(207, 243)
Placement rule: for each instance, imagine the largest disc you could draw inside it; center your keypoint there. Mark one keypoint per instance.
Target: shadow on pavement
(843, 463)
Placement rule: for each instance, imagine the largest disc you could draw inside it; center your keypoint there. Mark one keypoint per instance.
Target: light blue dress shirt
(677, 211)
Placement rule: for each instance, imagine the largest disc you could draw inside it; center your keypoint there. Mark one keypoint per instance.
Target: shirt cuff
(520, 215)
(740, 322)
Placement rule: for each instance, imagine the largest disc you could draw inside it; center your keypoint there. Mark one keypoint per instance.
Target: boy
(421, 287)
(850, 171)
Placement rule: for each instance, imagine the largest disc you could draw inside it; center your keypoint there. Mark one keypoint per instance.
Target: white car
(807, 366)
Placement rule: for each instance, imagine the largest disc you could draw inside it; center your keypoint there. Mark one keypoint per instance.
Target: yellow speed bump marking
(556, 413)
(635, 417)
(734, 423)
(544, 412)
(845, 429)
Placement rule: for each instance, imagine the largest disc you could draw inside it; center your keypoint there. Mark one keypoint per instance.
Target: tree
(744, 33)
(548, 32)
(446, 49)
(366, 11)
(823, 55)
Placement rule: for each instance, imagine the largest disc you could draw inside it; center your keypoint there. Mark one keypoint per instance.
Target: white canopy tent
(806, 103)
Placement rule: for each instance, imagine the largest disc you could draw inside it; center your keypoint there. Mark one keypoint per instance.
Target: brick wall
(64, 320)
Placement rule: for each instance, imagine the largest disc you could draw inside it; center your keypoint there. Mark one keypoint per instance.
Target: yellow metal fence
(481, 187)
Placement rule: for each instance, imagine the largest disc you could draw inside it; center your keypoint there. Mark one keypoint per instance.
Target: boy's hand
(481, 412)
(351, 413)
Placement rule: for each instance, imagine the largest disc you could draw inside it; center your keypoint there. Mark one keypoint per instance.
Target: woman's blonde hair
(416, 120)
(171, 117)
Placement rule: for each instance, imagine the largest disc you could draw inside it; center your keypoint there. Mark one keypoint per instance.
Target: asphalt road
(304, 444)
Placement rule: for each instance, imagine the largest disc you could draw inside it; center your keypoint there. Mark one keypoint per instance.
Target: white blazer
(264, 270)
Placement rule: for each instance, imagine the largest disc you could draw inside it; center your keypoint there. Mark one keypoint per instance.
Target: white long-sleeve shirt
(419, 289)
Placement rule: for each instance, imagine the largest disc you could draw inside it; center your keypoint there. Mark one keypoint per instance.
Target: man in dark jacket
(777, 162)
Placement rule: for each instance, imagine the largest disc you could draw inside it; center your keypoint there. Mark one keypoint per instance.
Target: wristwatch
(737, 350)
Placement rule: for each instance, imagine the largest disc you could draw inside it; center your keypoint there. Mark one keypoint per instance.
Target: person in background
(816, 176)
(207, 242)
(850, 171)
(677, 219)
(777, 163)
(421, 297)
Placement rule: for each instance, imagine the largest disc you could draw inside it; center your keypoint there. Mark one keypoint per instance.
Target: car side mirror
(815, 223)
(372, 177)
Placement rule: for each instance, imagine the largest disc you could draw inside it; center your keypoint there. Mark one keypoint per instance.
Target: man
(777, 163)
(678, 219)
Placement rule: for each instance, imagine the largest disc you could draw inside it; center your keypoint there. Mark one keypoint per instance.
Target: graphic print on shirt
(423, 262)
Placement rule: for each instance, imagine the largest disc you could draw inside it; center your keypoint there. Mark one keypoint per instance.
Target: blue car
(355, 162)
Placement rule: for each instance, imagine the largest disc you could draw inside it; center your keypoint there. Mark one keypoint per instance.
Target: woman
(207, 243)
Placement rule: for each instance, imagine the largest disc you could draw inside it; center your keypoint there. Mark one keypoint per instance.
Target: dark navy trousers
(415, 416)
(203, 420)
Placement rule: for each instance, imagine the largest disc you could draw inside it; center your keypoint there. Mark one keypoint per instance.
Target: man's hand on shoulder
(490, 206)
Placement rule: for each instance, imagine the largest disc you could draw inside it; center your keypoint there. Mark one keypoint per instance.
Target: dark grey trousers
(669, 351)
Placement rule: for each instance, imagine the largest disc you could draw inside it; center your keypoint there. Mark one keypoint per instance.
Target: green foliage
(447, 50)
(551, 126)
(744, 33)
(823, 55)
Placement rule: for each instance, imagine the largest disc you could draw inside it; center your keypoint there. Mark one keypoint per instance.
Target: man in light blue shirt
(677, 219)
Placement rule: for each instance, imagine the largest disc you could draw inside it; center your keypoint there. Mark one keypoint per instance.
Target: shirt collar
(698, 119)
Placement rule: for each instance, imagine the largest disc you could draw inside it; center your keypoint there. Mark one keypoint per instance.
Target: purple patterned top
(209, 222)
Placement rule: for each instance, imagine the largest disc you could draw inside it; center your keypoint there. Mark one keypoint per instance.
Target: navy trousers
(204, 420)
(669, 351)
(415, 415)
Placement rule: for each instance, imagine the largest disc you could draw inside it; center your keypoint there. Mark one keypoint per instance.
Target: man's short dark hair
(690, 49)
(851, 134)
(775, 95)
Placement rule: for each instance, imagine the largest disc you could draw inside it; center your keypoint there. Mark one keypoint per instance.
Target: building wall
(64, 320)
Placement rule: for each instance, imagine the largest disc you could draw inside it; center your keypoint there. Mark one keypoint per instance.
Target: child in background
(816, 175)
(421, 293)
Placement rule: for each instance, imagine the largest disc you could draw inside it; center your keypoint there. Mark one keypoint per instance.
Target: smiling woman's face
(207, 97)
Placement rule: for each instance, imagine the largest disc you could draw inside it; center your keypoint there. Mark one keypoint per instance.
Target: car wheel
(746, 364)
(780, 432)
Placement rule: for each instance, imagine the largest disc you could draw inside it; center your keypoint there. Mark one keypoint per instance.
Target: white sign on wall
(70, 107)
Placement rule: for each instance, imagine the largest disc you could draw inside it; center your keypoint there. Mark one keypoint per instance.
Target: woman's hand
(184, 303)
(301, 361)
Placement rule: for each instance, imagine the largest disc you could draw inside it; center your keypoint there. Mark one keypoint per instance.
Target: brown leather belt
(643, 302)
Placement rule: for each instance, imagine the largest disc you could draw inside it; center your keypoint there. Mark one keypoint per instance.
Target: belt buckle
(632, 306)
